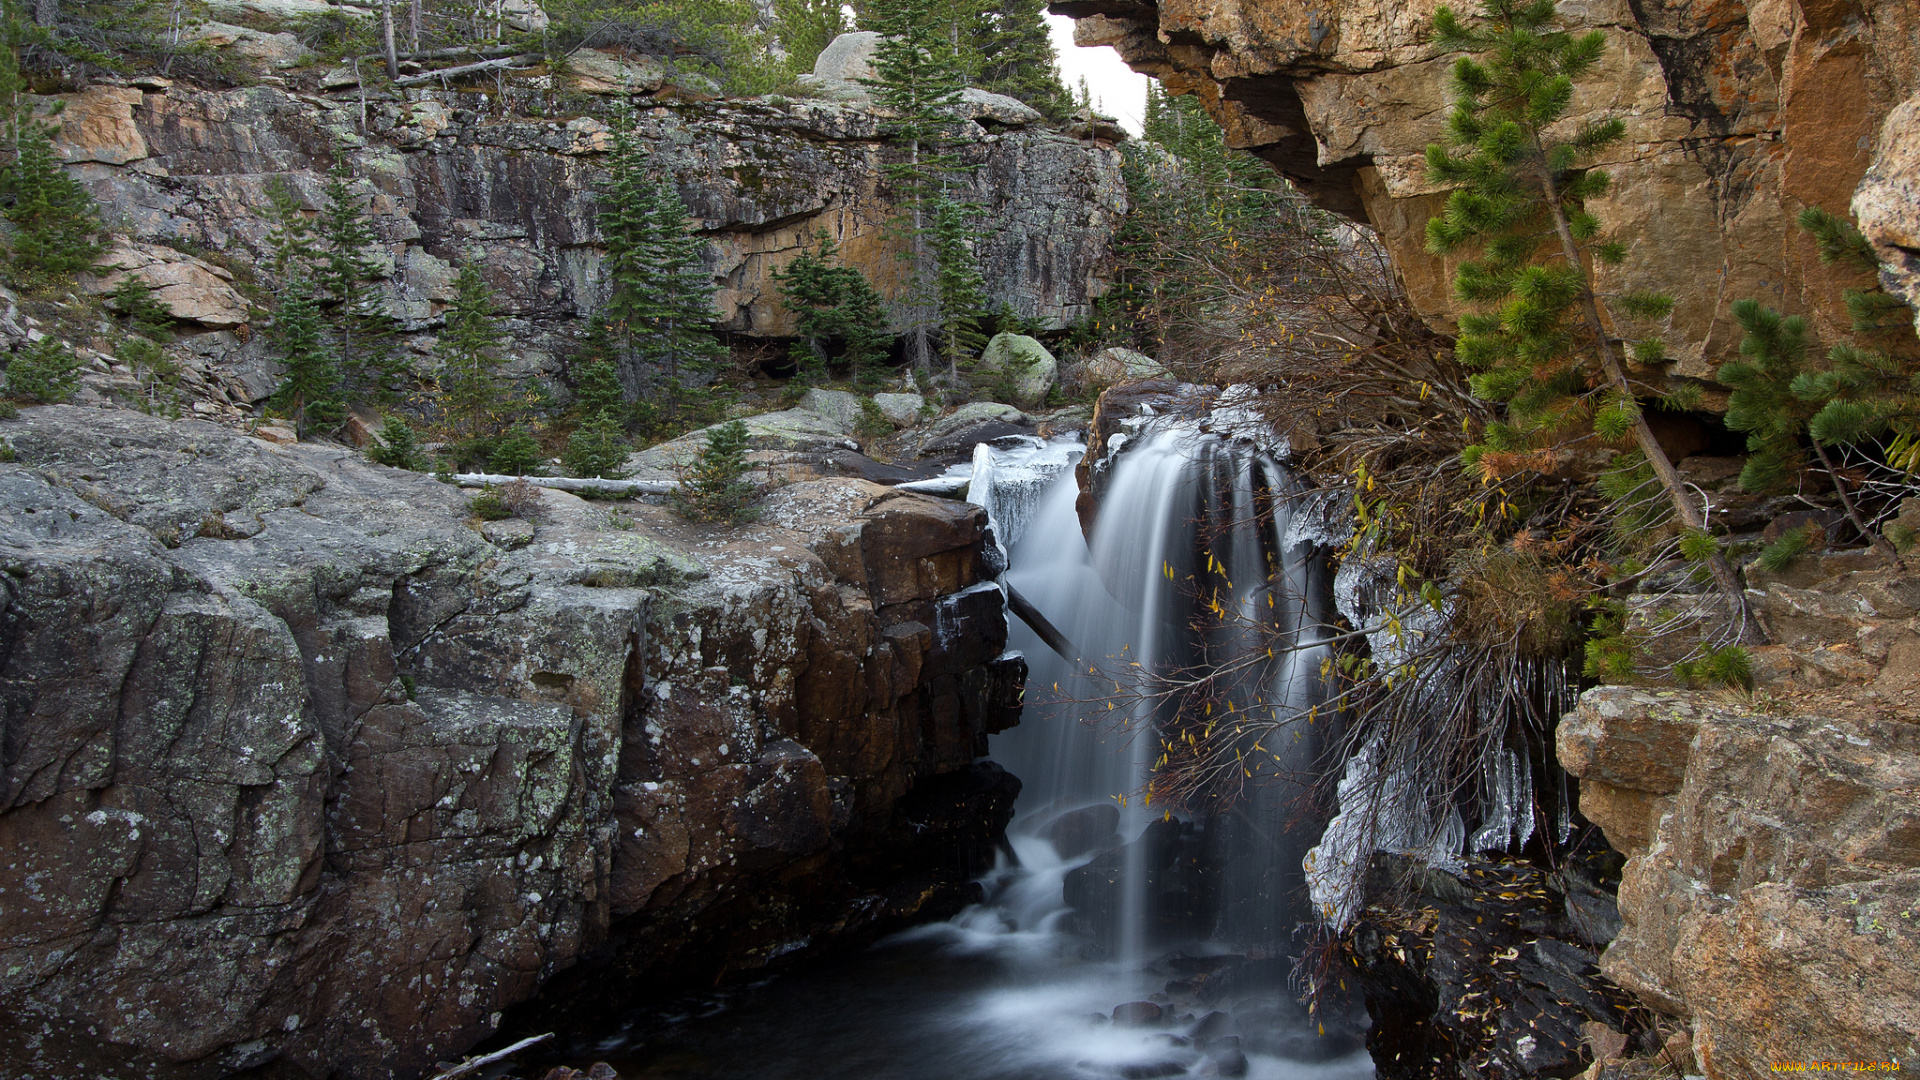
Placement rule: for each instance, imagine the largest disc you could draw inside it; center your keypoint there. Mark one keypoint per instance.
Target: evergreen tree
(1866, 392)
(477, 402)
(1017, 57)
(46, 371)
(311, 391)
(145, 316)
(836, 308)
(713, 486)
(805, 28)
(57, 226)
(596, 375)
(918, 78)
(398, 446)
(292, 248)
(660, 295)
(1519, 195)
(362, 330)
(597, 448)
(961, 289)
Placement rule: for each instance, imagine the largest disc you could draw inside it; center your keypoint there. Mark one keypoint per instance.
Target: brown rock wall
(1739, 113)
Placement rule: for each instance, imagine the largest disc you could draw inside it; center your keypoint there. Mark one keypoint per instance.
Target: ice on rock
(1009, 479)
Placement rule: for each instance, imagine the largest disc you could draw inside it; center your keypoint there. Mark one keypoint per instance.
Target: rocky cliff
(306, 770)
(1739, 113)
(1771, 899)
(509, 180)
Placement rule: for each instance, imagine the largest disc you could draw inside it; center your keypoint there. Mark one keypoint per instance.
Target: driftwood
(467, 69)
(474, 1065)
(571, 483)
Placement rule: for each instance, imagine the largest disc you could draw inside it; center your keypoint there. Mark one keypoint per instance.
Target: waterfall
(1195, 570)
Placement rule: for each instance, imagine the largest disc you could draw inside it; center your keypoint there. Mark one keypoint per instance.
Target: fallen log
(467, 69)
(474, 1065)
(571, 483)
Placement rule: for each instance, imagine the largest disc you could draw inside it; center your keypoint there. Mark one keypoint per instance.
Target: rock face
(453, 177)
(303, 772)
(1772, 892)
(1739, 113)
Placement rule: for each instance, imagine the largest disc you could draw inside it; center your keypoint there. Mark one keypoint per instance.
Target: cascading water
(1121, 938)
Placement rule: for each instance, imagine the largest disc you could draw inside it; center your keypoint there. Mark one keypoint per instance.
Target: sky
(1118, 90)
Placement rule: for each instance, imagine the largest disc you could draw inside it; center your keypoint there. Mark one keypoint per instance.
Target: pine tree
(1542, 345)
(597, 448)
(806, 27)
(918, 78)
(397, 445)
(362, 331)
(292, 248)
(961, 289)
(476, 400)
(311, 391)
(596, 375)
(713, 487)
(835, 306)
(46, 371)
(57, 225)
(1766, 406)
(145, 316)
(1017, 57)
(1866, 392)
(660, 294)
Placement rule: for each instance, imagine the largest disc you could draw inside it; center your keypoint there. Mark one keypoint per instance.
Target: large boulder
(1023, 364)
(1115, 365)
(901, 410)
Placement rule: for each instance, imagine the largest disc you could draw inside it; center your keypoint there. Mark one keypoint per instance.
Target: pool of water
(1002, 992)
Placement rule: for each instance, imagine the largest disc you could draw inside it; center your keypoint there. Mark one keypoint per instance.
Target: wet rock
(1137, 1014)
(1230, 1061)
(1151, 1070)
(1491, 979)
(1182, 881)
(1089, 828)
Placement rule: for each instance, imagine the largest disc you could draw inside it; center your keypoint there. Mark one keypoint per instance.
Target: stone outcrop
(1739, 113)
(454, 177)
(1773, 894)
(304, 772)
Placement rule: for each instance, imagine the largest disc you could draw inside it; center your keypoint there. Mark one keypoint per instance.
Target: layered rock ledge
(304, 770)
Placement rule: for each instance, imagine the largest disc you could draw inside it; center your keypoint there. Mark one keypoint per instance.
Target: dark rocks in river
(1180, 893)
(1137, 1013)
(1078, 832)
(1485, 974)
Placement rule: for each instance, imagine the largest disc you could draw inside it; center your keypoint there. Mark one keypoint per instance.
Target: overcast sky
(1118, 90)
